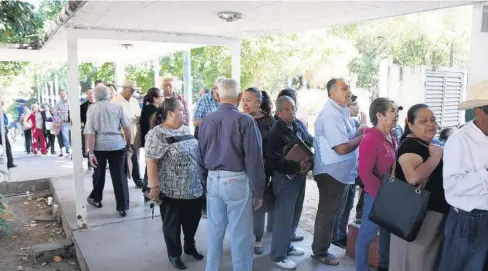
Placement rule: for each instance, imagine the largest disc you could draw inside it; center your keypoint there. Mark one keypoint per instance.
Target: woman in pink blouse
(376, 157)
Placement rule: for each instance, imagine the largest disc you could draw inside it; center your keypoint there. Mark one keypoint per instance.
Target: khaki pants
(331, 193)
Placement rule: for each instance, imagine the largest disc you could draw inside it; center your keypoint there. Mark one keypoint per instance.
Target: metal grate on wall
(443, 93)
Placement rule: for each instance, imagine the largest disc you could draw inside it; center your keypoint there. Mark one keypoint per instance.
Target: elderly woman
(258, 104)
(419, 162)
(376, 157)
(51, 137)
(37, 118)
(174, 179)
(105, 142)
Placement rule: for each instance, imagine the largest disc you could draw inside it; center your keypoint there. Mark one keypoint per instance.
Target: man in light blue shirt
(336, 144)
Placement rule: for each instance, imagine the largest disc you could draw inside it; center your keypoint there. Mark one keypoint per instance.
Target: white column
(3, 166)
(74, 104)
(478, 53)
(156, 69)
(119, 74)
(188, 85)
(53, 92)
(236, 62)
(45, 96)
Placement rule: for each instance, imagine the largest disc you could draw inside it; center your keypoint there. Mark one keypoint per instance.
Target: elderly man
(168, 91)
(289, 179)
(133, 113)
(61, 114)
(207, 104)
(465, 174)
(336, 144)
(106, 143)
(83, 110)
(231, 164)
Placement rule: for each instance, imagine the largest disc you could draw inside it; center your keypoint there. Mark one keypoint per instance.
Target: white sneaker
(287, 264)
(296, 252)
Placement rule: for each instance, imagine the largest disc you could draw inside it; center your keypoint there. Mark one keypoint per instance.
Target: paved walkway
(135, 242)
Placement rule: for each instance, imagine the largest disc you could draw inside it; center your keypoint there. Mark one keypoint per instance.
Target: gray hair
(34, 106)
(219, 80)
(281, 100)
(228, 88)
(101, 93)
(331, 85)
(169, 78)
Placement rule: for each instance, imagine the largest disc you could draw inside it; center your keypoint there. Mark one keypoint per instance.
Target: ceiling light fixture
(126, 46)
(229, 16)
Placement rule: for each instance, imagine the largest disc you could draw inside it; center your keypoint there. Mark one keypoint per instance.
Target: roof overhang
(156, 28)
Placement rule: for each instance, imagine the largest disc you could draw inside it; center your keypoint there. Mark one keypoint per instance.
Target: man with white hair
(169, 91)
(207, 104)
(231, 165)
(105, 142)
(465, 175)
(133, 113)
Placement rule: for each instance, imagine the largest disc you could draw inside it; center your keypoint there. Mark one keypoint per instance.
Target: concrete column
(74, 104)
(45, 96)
(188, 85)
(156, 69)
(54, 91)
(478, 53)
(3, 166)
(119, 74)
(236, 62)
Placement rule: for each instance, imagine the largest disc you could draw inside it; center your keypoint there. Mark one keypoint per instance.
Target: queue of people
(238, 162)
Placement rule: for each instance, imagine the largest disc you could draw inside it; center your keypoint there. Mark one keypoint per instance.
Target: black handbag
(399, 207)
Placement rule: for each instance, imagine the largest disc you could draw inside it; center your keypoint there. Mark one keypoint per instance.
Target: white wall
(478, 55)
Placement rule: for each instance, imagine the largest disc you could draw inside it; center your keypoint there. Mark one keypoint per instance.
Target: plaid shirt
(205, 105)
(61, 111)
(104, 120)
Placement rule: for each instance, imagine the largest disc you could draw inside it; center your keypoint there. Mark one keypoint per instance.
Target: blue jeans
(229, 205)
(65, 129)
(466, 241)
(287, 211)
(341, 217)
(366, 235)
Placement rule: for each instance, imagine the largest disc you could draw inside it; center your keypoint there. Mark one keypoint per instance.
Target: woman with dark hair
(152, 101)
(174, 179)
(419, 163)
(258, 104)
(376, 157)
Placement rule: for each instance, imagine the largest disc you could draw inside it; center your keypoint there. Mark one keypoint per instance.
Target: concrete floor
(135, 242)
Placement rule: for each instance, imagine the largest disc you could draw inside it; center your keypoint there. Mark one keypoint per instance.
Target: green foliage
(4, 214)
(143, 75)
(20, 23)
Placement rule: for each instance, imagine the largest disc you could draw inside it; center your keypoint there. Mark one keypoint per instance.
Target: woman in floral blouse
(172, 169)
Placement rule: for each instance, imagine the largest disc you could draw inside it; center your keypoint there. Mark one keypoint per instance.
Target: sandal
(327, 259)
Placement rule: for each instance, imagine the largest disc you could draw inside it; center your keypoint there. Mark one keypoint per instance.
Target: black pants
(177, 214)
(136, 174)
(28, 140)
(60, 141)
(119, 178)
(50, 138)
(8, 151)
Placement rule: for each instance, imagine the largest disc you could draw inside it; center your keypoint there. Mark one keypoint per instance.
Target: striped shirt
(61, 111)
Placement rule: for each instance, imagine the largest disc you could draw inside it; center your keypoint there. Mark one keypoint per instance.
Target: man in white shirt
(465, 175)
(133, 113)
(336, 144)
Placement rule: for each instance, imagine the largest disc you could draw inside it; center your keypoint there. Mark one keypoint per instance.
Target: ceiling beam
(150, 36)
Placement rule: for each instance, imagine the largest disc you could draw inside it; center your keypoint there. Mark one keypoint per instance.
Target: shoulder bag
(400, 207)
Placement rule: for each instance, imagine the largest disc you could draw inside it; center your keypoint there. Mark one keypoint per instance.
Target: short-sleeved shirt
(61, 111)
(333, 127)
(437, 201)
(205, 105)
(179, 177)
(104, 120)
